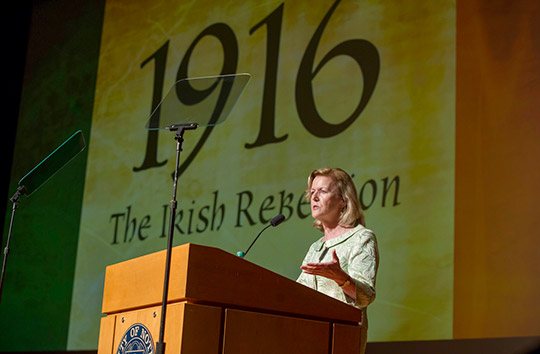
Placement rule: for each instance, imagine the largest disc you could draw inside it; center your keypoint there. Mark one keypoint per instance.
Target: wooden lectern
(219, 303)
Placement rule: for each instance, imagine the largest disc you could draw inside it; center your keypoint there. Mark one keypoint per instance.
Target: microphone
(276, 220)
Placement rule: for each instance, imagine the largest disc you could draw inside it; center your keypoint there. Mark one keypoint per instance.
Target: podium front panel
(252, 332)
(106, 334)
(189, 329)
(347, 339)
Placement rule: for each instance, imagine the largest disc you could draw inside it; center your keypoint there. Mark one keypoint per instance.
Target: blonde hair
(351, 214)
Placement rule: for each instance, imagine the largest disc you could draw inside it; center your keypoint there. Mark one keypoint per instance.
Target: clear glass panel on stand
(203, 101)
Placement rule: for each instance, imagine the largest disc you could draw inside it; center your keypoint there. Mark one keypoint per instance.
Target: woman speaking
(343, 263)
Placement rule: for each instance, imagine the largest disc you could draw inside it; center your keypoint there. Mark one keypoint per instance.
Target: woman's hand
(331, 270)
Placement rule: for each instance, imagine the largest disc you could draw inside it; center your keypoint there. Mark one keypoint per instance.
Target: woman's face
(326, 203)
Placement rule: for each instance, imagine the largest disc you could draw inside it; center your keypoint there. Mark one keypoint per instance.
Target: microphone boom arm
(274, 222)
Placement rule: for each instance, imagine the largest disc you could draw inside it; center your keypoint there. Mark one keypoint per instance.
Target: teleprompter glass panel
(204, 101)
(49, 166)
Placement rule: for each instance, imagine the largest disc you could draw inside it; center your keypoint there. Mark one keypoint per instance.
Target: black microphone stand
(179, 137)
(15, 200)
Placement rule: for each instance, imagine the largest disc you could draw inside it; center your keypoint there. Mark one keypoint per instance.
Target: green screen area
(57, 100)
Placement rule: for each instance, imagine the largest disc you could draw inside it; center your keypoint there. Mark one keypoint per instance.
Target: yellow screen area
(365, 86)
